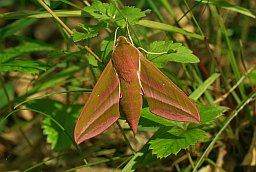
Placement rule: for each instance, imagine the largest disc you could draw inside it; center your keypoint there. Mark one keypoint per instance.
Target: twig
(56, 17)
(70, 32)
(223, 97)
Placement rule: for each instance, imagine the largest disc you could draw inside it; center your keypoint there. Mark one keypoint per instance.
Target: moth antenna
(152, 52)
(128, 31)
(115, 38)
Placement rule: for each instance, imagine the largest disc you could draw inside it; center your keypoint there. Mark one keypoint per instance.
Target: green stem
(125, 138)
(233, 62)
(3, 86)
(250, 98)
(193, 17)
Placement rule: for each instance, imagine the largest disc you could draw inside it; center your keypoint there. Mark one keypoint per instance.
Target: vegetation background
(47, 72)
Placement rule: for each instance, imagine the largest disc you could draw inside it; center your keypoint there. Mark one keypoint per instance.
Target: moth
(128, 77)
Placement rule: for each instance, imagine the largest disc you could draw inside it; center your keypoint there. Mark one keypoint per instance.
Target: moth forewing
(127, 77)
(102, 107)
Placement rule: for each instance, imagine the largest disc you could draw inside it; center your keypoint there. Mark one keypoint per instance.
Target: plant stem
(251, 98)
(125, 138)
(70, 32)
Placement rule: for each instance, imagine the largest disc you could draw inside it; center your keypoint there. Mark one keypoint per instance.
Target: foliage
(59, 123)
(109, 12)
(170, 52)
(9, 59)
(172, 140)
(90, 31)
(173, 136)
(43, 74)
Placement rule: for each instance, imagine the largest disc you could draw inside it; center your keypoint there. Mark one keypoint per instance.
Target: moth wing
(164, 98)
(102, 107)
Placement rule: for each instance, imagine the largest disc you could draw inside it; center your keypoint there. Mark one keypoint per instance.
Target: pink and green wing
(164, 98)
(102, 107)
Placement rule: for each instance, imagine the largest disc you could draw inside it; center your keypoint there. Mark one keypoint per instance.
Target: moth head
(121, 40)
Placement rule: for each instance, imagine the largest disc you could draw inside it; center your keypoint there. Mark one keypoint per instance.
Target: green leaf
(130, 165)
(11, 53)
(203, 87)
(14, 27)
(35, 15)
(141, 158)
(47, 2)
(101, 11)
(170, 52)
(93, 28)
(253, 76)
(106, 48)
(10, 92)
(55, 55)
(66, 116)
(229, 6)
(26, 66)
(170, 141)
(209, 113)
(168, 28)
(92, 61)
(89, 31)
(132, 14)
(54, 79)
(79, 36)
(108, 12)
(8, 61)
